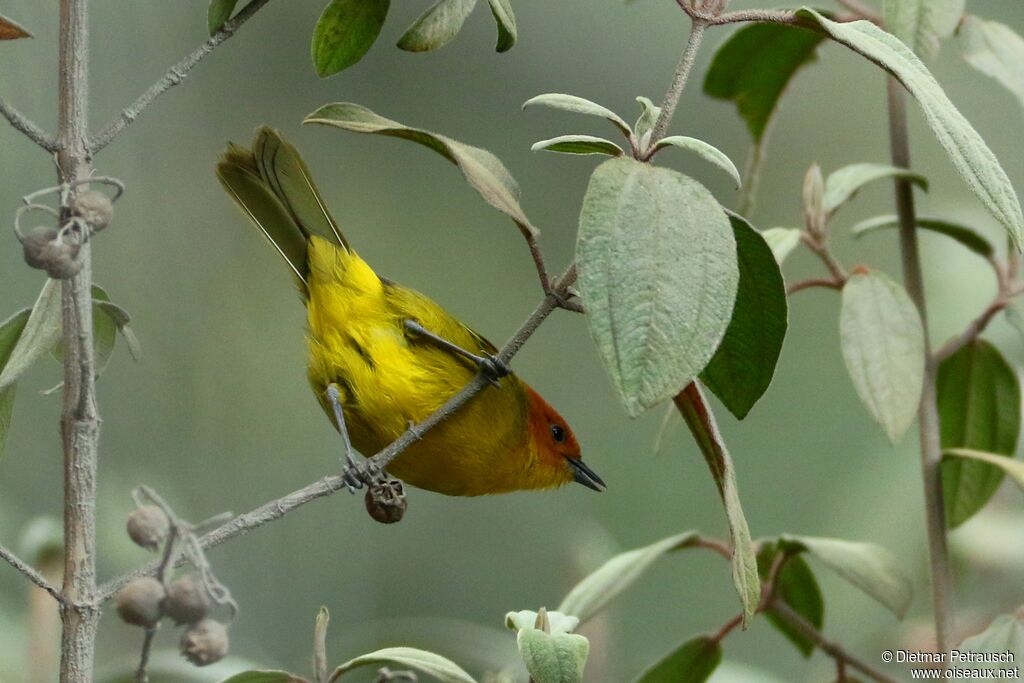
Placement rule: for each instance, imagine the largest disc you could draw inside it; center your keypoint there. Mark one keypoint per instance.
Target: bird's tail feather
(273, 187)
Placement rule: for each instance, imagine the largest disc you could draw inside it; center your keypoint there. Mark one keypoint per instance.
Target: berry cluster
(186, 600)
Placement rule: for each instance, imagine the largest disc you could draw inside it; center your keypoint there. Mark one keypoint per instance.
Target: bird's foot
(357, 475)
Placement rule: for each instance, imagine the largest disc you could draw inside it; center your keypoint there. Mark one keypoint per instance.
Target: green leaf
(921, 24)
(578, 144)
(963, 234)
(593, 593)
(658, 276)
(12, 30)
(429, 663)
(323, 618)
(692, 662)
(979, 409)
(743, 366)
(578, 105)
(506, 21)
(995, 50)
(693, 407)
(649, 113)
(753, 67)
(705, 151)
(970, 155)
(1014, 468)
(264, 677)
(482, 170)
(218, 13)
(120, 319)
(6, 413)
(842, 185)
(1004, 634)
(782, 241)
(553, 658)
(868, 567)
(557, 621)
(796, 586)
(437, 26)
(41, 333)
(345, 32)
(882, 341)
(10, 333)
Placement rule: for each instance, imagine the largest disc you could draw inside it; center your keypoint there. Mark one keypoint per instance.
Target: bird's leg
(354, 475)
(492, 367)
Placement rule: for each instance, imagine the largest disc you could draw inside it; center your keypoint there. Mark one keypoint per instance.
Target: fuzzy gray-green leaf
(553, 657)
(437, 26)
(705, 151)
(971, 157)
(963, 234)
(578, 144)
(995, 50)
(658, 276)
(921, 24)
(41, 333)
(578, 105)
(692, 662)
(883, 345)
(432, 664)
(345, 32)
(506, 21)
(842, 185)
(782, 241)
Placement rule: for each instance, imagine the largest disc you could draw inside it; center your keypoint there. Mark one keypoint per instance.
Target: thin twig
(275, 509)
(809, 283)
(928, 415)
(30, 573)
(834, 650)
(161, 575)
(22, 123)
(175, 75)
(714, 545)
(862, 10)
(974, 328)
(679, 78)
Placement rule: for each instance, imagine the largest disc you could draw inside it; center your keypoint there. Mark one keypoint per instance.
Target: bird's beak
(582, 474)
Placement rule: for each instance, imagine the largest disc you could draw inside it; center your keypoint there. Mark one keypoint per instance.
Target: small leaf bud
(141, 602)
(386, 502)
(95, 208)
(148, 526)
(205, 642)
(188, 600)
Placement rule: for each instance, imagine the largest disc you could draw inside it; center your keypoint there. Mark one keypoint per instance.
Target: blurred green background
(218, 416)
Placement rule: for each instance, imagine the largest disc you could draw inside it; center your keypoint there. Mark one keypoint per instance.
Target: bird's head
(556, 446)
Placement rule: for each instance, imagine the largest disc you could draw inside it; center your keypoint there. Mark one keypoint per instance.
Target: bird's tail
(273, 187)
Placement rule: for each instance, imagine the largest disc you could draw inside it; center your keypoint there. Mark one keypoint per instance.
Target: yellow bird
(391, 356)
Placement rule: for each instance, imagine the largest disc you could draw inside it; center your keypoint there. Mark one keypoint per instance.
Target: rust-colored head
(556, 445)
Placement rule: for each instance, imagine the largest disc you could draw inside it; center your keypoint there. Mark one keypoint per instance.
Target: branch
(175, 75)
(22, 123)
(801, 285)
(276, 509)
(679, 78)
(928, 413)
(30, 573)
(834, 650)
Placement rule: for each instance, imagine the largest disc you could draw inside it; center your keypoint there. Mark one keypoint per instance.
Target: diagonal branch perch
(30, 573)
(22, 123)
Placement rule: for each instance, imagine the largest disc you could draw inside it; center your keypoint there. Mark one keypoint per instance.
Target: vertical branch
(679, 78)
(928, 412)
(79, 417)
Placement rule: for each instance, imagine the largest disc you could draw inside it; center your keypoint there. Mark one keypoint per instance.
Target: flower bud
(141, 602)
(205, 642)
(34, 243)
(385, 501)
(148, 526)
(188, 600)
(95, 208)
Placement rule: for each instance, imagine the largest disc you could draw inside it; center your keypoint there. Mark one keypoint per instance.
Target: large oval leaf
(883, 345)
(970, 155)
(658, 276)
(753, 67)
(435, 665)
(995, 50)
(868, 567)
(593, 593)
(437, 26)
(482, 170)
(979, 409)
(744, 364)
(346, 31)
(692, 662)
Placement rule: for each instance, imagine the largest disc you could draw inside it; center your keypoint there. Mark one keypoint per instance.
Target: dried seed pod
(141, 602)
(59, 258)
(188, 599)
(95, 208)
(204, 642)
(35, 242)
(385, 501)
(148, 526)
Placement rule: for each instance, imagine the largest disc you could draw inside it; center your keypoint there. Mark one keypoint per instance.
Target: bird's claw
(356, 476)
(493, 369)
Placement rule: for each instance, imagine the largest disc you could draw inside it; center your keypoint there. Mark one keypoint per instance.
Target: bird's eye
(558, 433)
